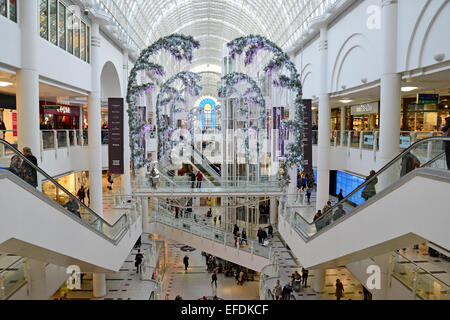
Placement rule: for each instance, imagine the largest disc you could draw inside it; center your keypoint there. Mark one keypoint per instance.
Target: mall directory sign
(115, 135)
(307, 142)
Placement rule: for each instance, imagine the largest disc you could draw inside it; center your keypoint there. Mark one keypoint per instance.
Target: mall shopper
(446, 133)
(264, 236)
(86, 190)
(235, 229)
(30, 174)
(287, 290)
(259, 235)
(326, 207)
(193, 177)
(244, 236)
(81, 194)
(339, 289)
(339, 212)
(340, 195)
(318, 222)
(199, 179)
(72, 206)
(138, 260)
(110, 181)
(241, 278)
(215, 220)
(278, 291)
(178, 297)
(270, 230)
(304, 277)
(409, 163)
(186, 262)
(308, 194)
(214, 278)
(16, 166)
(369, 190)
(220, 219)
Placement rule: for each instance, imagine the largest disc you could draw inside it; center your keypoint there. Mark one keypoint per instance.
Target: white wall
(10, 52)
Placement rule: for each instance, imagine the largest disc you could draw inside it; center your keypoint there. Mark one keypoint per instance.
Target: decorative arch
(356, 41)
(110, 81)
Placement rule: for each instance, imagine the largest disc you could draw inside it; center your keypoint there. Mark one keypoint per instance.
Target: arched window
(207, 114)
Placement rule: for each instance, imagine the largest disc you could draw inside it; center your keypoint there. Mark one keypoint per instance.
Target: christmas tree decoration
(279, 63)
(181, 48)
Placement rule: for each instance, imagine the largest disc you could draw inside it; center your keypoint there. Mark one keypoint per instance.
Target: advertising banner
(115, 135)
(307, 142)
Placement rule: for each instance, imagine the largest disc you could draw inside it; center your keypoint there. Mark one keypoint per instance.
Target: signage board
(405, 142)
(307, 142)
(115, 135)
(365, 108)
(426, 98)
(368, 139)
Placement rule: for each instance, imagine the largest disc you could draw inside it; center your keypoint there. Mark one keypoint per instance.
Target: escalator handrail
(330, 211)
(81, 204)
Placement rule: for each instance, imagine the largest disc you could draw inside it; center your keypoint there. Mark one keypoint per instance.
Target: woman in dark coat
(369, 190)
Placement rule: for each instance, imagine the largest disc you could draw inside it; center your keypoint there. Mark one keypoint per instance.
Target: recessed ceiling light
(345, 100)
(407, 89)
(5, 84)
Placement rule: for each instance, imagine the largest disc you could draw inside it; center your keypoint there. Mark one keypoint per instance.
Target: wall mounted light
(345, 100)
(5, 84)
(407, 89)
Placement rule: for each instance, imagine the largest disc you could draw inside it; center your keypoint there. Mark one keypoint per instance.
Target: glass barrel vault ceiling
(215, 22)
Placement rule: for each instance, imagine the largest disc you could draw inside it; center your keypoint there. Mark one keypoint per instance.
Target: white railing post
(252, 248)
(349, 142)
(68, 142)
(55, 140)
(375, 144)
(335, 137)
(361, 139)
(41, 145)
(75, 139)
(413, 137)
(429, 150)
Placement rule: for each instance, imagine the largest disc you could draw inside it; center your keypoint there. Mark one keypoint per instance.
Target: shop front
(56, 116)
(363, 117)
(427, 117)
(8, 117)
(71, 182)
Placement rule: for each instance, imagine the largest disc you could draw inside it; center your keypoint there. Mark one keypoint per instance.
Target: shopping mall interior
(224, 150)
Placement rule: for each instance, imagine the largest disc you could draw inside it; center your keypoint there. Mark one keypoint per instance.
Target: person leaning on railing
(446, 133)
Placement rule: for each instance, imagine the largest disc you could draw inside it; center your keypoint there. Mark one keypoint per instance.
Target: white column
(36, 279)
(28, 79)
(343, 124)
(126, 178)
(390, 86)
(323, 146)
(273, 210)
(145, 218)
(319, 280)
(99, 284)
(94, 128)
(95, 145)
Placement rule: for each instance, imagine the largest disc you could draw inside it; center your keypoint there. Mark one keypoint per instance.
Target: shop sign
(115, 135)
(14, 124)
(365, 108)
(426, 98)
(368, 139)
(307, 144)
(405, 142)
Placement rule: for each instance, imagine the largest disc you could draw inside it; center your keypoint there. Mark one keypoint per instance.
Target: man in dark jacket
(270, 230)
(287, 290)
(30, 172)
(186, 262)
(446, 131)
(193, 177)
(138, 260)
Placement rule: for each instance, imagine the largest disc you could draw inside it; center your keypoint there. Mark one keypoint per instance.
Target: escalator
(403, 204)
(199, 161)
(56, 227)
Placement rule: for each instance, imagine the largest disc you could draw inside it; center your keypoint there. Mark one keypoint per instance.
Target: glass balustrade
(417, 155)
(354, 139)
(12, 278)
(423, 284)
(19, 165)
(210, 232)
(71, 137)
(78, 134)
(9, 136)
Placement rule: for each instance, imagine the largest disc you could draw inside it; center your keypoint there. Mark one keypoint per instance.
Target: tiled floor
(196, 282)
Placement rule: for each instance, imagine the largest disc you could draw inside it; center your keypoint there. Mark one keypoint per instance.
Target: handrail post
(375, 144)
(41, 145)
(67, 142)
(349, 142)
(361, 138)
(55, 140)
(414, 282)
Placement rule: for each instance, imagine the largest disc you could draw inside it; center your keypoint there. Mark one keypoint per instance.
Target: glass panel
(85, 137)
(70, 32)
(314, 136)
(88, 45)
(12, 278)
(71, 137)
(76, 28)
(62, 140)
(53, 22)
(355, 135)
(83, 41)
(48, 139)
(62, 26)
(13, 10)
(44, 19)
(78, 133)
(3, 7)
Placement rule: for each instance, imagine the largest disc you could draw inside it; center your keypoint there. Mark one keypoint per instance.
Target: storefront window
(427, 117)
(76, 27)
(53, 22)
(83, 41)
(70, 32)
(13, 10)
(44, 19)
(62, 26)
(3, 7)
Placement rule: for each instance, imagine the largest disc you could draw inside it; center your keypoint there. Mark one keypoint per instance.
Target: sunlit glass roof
(215, 22)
